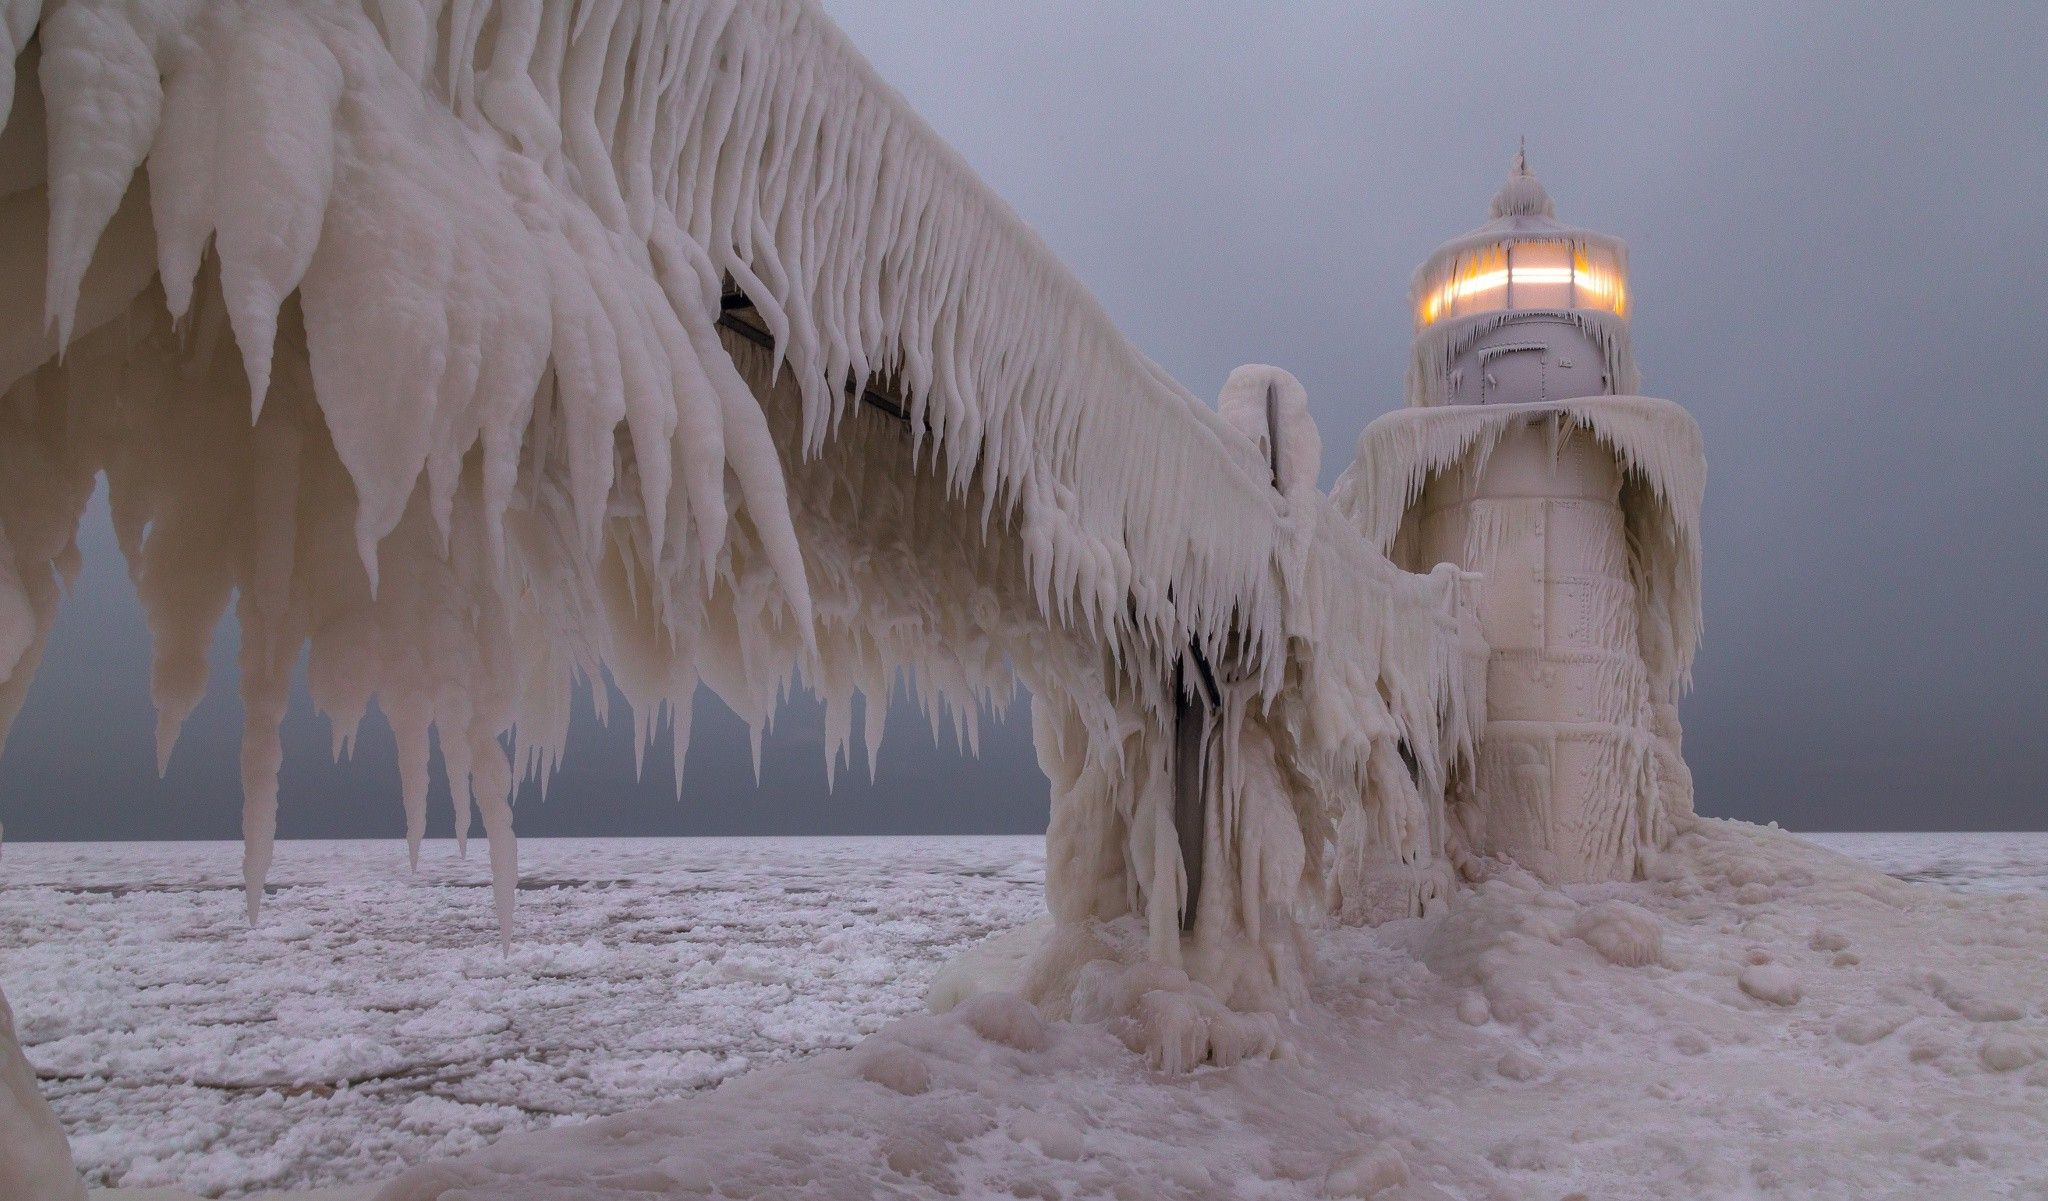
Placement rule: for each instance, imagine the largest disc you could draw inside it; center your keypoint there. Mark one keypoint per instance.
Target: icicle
(410, 725)
(94, 54)
(266, 688)
(283, 87)
(474, 258)
(680, 717)
(494, 801)
(455, 759)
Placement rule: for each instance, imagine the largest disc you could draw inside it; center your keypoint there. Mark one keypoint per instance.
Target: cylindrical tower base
(1566, 766)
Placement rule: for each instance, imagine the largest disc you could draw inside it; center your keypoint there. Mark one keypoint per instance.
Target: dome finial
(1522, 195)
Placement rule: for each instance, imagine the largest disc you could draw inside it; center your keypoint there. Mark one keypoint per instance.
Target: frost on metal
(406, 330)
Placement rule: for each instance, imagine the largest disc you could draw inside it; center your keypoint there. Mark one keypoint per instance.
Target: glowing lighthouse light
(1524, 260)
(1523, 275)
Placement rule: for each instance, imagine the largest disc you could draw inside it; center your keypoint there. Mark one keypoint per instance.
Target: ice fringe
(1521, 212)
(397, 326)
(1658, 446)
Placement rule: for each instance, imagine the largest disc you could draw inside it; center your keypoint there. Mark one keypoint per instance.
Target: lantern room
(1523, 260)
(1523, 309)
(1532, 275)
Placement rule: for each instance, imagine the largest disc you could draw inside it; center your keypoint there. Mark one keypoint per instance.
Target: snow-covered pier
(555, 340)
(483, 352)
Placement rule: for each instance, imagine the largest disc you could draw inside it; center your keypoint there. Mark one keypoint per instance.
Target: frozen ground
(372, 1022)
(1963, 862)
(181, 1048)
(1760, 1018)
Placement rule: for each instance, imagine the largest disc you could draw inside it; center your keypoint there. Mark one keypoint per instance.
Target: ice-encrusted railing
(396, 326)
(503, 230)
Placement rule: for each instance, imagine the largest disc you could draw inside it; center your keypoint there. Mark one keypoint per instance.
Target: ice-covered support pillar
(1522, 459)
(1196, 700)
(1318, 690)
(35, 1161)
(1251, 401)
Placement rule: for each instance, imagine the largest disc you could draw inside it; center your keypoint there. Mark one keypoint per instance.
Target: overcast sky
(1840, 265)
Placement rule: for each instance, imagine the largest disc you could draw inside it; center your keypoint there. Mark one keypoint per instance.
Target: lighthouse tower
(1526, 458)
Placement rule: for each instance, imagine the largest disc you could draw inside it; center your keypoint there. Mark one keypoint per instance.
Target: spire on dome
(1521, 195)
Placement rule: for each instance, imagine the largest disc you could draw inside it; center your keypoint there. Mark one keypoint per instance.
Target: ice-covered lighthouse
(1525, 456)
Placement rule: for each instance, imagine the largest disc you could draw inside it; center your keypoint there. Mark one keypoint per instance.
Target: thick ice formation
(465, 281)
(35, 1161)
(1269, 406)
(475, 352)
(1657, 442)
(1314, 776)
(1523, 458)
(1617, 601)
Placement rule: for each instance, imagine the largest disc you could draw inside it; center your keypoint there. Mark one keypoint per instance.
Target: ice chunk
(1773, 982)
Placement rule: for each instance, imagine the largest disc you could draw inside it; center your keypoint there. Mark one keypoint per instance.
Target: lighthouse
(1526, 457)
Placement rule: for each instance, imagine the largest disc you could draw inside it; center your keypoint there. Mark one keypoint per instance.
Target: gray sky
(1839, 264)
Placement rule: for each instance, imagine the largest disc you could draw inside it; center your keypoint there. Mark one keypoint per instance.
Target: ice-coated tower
(1525, 457)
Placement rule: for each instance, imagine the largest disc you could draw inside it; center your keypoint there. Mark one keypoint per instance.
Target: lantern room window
(1547, 274)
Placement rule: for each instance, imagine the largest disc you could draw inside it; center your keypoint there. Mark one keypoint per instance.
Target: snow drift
(1520, 1041)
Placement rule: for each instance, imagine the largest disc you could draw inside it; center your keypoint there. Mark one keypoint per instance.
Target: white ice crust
(1520, 1041)
(395, 326)
(1583, 516)
(1657, 442)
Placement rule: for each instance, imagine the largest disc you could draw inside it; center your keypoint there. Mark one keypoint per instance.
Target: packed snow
(1759, 1018)
(182, 1049)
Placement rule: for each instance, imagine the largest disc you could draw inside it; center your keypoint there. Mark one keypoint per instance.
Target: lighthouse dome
(1522, 195)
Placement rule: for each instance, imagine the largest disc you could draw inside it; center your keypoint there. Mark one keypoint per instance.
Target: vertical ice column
(1563, 785)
